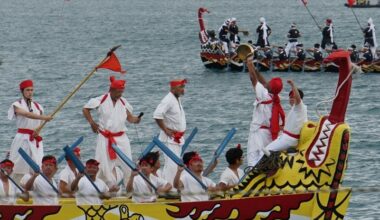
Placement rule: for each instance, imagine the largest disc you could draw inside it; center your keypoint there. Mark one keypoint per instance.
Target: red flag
(351, 2)
(112, 63)
(304, 2)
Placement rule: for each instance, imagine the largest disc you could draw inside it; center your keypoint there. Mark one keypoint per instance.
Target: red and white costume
(87, 194)
(24, 139)
(229, 178)
(294, 121)
(143, 192)
(192, 190)
(10, 197)
(112, 120)
(171, 111)
(43, 193)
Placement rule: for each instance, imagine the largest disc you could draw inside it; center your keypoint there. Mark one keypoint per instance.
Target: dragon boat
(307, 184)
(362, 5)
(212, 53)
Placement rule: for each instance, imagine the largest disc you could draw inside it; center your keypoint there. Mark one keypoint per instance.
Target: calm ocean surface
(57, 43)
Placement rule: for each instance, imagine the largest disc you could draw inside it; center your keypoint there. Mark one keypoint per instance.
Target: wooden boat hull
(214, 61)
(280, 66)
(309, 205)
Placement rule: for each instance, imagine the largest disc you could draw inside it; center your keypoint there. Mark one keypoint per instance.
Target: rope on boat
(354, 69)
(253, 193)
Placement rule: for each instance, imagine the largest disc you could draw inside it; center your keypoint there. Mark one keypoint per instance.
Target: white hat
(262, 19)
(233, 19)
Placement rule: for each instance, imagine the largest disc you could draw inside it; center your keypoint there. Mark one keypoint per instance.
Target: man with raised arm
(267, 113)
(29, 116)
(113, 111)
(170, 117)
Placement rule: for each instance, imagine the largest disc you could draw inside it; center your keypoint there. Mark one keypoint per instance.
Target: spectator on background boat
(142, 191)
(370, 37)
(213, 43)
(29, 116)
(301, 55)
(8, 190)
(234, 33)
(223, 36)
(232, 174)
(190, 189)
(86, 193)
(295, 120)
(281, 54)
(267, 113)
(293, 36)
(67, 175)
(113, 111)
(328, 34)
(263, 31)
(367, 56)
(316, 53)
(43, 192)
(354, 54)
(268, 53)
(170, 118)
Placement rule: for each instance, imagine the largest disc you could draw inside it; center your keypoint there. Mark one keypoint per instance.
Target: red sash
(30, 132)
(296, 136)
(277, 113)
(177, 136)
(111, 140)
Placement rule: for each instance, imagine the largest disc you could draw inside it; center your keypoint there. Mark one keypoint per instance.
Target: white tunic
(192, 190)
(259, 138)
(143, 192)
(294, 121)
(115, 180)
(171, 111)
(9, 199)
(67, 176)
(87, 194)
(111, 118)
(22, 140)
(229, 178)
(43, 193)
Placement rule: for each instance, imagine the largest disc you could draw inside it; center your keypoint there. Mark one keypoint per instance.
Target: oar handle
(141, 114)
(72, 147)
(219, 151)
(177, 160)
(132, 165)
(12, 180)
(188, 140)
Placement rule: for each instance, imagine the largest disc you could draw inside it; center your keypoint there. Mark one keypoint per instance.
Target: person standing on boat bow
(267, 113)
(293, 36)
(29, 116)
(223, 36)
(370, 37)
(170, 117)
(328, 34)
(263, 31)
(113, 111)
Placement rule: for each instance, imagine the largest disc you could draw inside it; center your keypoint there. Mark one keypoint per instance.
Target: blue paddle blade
(72, 147)
(147, 150)
(188, 140)
(70, 154)
(29, 160)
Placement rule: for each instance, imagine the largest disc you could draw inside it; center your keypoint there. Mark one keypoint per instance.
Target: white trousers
(170, 168)
(257, 140)
(290, 46)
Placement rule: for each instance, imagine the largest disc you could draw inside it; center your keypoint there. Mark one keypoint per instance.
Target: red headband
(238, 146)
(175, 83)
(25, 84)
(196, 157)
(52, 161)
(7, 164)
(149, 161)
(77, 151)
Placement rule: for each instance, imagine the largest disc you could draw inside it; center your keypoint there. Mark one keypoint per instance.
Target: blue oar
(35, 167)
(78, 164)
(12, 180)
(188, 140)
(132, 165)
(72, 147)
(219, 151)
(147, 150)
(177, 160)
